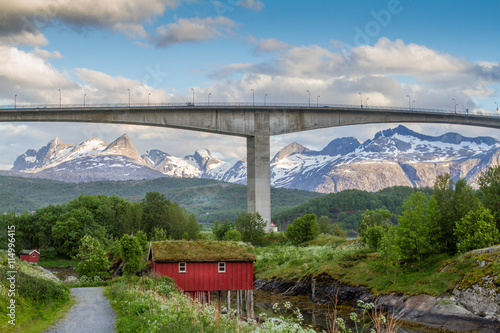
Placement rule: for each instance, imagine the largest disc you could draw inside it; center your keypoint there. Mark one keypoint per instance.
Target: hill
(207, 199)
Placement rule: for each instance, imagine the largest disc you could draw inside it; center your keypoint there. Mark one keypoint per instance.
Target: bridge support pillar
(258, 171)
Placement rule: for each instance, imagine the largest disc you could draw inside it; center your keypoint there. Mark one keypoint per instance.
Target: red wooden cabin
(199, 267)
(29, 255)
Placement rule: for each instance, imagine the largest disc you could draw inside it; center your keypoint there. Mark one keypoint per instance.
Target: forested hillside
(346, 208)
(208, 200)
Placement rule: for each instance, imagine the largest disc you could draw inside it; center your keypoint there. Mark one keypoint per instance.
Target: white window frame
(222, 267)
(182, 267)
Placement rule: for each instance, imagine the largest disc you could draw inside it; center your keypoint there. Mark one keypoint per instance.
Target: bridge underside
(257, 124)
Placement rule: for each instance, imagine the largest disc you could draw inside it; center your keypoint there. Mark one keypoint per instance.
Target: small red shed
(29, 255)
(199, 267)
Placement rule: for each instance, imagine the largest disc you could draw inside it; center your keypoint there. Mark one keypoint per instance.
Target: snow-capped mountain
(393, 157)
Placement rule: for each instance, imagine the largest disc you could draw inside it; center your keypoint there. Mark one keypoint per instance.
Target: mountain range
(394, 157)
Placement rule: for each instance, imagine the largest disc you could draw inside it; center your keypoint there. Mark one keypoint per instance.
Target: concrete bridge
(256, 122)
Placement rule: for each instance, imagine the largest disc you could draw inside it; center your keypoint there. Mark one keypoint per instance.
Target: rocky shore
(476, 308)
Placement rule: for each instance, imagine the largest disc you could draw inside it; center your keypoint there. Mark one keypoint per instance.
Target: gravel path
(91, 313)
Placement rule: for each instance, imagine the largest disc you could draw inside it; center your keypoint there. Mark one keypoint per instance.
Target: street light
(361, 99)
(193, 95)
(309, 97)
(454, 105)
(317, 100)
(265, 99)
(253, 97)
(15, 102)
(412, 104)
(149, 94)
(366, 103)
(409, 103)
(209, 98)
(128, 97)
(59, 97)
(84, 99)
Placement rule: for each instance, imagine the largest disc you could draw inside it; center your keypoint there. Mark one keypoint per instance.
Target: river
(318, 316)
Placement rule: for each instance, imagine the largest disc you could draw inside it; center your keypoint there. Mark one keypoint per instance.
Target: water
(318, 316)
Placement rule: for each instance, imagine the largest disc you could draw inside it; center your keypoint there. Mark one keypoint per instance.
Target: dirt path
(91, 313)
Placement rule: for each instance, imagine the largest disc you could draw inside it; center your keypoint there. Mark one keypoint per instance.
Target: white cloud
(192, 30)
(251, 4)
(270, 45)
(22, 21)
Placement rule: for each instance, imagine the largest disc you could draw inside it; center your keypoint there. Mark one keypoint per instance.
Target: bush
(373, 226)
(477, 230)
(232, 235)
(92, 258)
(131, 253)
(303, 229)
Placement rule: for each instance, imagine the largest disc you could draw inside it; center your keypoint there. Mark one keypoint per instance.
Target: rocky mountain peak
(123, 146)
(292, 148)
(341, 146)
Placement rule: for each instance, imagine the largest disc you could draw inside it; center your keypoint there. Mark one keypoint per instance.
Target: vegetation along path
(92, 313)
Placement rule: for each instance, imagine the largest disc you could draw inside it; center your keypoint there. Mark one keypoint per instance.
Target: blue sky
(434, 51)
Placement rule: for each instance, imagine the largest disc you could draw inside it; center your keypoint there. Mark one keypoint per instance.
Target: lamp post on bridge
(409, 103)
(253, 97)
(15, 101)
(454, 105)
(412, 105)
(149, 94)
(208, 98)
(193, 95)
(84, 99)
(60, 97)
(361, 99)
(128, 97)
(265, 99)
(366, 102)
(309, 93)
(317, 100)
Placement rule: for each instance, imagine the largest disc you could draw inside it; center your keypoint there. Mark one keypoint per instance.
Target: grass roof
(201, 251)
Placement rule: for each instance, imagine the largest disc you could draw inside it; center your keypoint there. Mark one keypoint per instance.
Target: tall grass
(39, 296)
(155, 305)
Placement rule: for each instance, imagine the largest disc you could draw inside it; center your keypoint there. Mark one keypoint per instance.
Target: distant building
(274, 228)
(30, 256)
(201, 267)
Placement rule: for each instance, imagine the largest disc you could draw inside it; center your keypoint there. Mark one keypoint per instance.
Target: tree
(155, 212)
(477, 230)
(219, 230)
(232, 235)
(390, 254)
(92, 259)
(252, 228)
(325, 226)
(454, 201)
(374, 224)
(489, 184)
(416, 234)
(131, 253)
(303, 229)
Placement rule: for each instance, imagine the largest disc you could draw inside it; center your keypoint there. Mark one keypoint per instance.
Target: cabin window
(33, 255)
(182, 267)
(222, 267)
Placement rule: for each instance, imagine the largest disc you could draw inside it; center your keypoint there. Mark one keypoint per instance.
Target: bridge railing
(315, 106)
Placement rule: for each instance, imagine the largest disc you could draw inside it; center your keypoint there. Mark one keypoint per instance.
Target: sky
(441, 53)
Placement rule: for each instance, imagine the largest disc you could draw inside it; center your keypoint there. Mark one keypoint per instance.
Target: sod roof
(200, 251)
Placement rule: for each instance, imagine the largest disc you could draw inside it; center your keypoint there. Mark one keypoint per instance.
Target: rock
(71, 279)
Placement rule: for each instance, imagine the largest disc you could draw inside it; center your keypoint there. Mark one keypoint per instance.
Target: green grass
(358, 266)
(39, 298)
(59, 263)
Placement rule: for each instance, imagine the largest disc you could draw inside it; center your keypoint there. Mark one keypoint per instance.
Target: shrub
(477, 230)
(303, 229)
(92, 258)
(131, 253)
